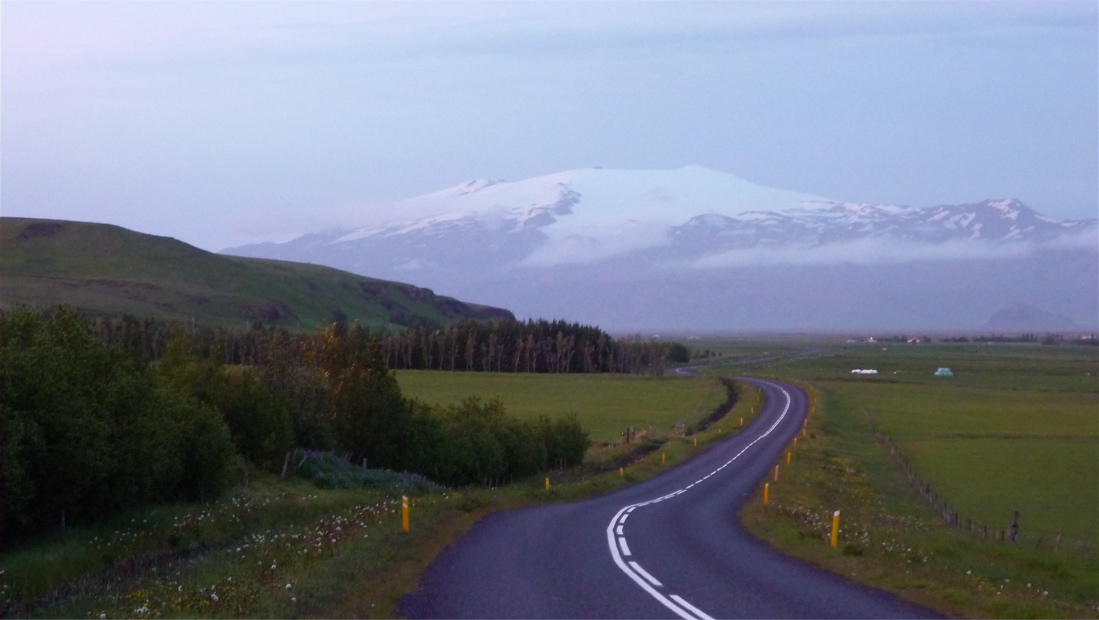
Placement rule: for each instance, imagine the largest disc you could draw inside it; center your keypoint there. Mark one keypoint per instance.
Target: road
(668, 547)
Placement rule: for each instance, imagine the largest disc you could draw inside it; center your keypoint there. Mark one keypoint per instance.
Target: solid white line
(701, 614)
(646, 575)
(634, 571)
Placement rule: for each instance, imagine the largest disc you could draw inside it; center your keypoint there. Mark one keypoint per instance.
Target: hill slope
(108, 270)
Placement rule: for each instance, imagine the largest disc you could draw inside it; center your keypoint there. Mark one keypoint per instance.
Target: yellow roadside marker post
(404, 512)
(766, 492)
(787, 458)
(835, 528)
(547, 484)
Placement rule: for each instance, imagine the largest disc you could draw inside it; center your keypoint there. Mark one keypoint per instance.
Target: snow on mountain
(584, 243)
(589, 215)
(590, 202)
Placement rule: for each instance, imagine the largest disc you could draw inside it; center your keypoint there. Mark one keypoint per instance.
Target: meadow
(1015, 429)
(604, 404)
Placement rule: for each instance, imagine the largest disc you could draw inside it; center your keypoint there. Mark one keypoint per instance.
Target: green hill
(109, 270)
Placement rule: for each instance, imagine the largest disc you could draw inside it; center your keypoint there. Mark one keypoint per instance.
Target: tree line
(532, 346)
(102, 415)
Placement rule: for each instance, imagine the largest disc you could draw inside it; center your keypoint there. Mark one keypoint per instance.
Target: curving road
(665, 548)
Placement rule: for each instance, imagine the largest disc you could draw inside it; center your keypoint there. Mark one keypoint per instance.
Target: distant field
(1016, 428)
(605, 404)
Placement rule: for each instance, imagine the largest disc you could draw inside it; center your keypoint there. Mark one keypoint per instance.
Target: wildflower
(214, 596)
(272, 566)
(288, 586)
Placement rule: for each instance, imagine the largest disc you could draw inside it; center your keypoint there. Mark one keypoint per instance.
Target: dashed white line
(616, 538)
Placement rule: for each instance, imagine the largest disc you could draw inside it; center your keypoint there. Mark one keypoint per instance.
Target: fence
(1010, 534)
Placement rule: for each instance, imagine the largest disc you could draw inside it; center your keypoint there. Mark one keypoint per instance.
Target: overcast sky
(222, 123)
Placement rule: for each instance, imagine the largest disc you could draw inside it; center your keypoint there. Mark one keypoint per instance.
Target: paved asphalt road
(664, 548)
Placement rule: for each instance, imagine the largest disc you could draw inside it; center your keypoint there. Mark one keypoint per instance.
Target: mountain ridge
(605, 227)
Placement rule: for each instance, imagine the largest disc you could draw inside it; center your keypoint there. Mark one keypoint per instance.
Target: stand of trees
(537, 346)
(533, 346)
(103, 415)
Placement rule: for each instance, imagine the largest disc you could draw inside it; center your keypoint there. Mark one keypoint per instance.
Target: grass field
(1016, 428)
(605, 404)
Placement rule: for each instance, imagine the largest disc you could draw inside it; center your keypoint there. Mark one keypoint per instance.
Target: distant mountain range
(110, 271)
(694, 248)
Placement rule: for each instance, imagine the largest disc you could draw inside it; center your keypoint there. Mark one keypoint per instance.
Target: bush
(328, 471)
(86, 430)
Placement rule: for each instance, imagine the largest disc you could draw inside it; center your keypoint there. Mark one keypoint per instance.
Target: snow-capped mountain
(598, 229)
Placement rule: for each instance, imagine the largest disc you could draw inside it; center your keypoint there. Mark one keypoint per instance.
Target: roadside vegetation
(102, 420)
(318, 533)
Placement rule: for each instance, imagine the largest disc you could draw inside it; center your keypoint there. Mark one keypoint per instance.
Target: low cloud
(599, 245)
(862, 252)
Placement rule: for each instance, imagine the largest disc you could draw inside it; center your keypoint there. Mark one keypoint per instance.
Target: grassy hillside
(108, 270)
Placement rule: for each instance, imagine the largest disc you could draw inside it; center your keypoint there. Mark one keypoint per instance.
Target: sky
(224, 123)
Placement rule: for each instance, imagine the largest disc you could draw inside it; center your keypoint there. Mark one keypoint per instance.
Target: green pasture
(605, 404)
(1016, 427)
(1013, 367)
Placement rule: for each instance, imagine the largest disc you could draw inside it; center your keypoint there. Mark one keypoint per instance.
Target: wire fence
(1010, 533)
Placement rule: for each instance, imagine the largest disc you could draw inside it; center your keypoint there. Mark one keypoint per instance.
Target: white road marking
(633, 570)
(646, 575)
(698, 612)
